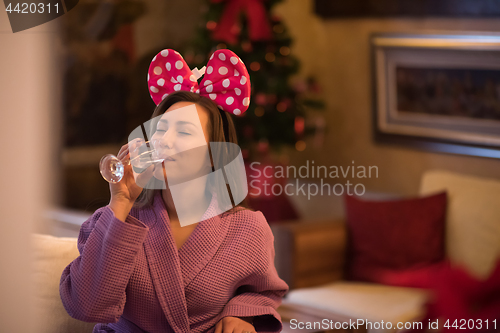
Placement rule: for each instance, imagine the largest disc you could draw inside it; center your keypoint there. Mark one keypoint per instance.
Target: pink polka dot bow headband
(226, 80)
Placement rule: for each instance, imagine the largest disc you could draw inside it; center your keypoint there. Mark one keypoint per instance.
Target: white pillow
(473, 221)
(51, 256)
(360, 300)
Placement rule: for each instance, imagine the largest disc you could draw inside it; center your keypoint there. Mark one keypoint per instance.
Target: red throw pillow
(396, 235)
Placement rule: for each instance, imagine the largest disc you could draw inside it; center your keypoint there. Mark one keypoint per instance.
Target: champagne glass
(142, 156)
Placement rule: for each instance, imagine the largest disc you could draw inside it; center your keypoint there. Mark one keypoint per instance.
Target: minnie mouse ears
(226, 80)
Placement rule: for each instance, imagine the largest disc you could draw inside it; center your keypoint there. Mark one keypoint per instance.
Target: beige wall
(337, 52)
(29, 122)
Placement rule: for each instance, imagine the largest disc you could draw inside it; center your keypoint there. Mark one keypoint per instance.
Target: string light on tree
(260, 99)
(247, 46)
(211, 25)
(259, 111)
(263, 146)
(270, 57)
(299, 126)
(235, 29)
(281, 107)
(255, 66)
(300, 145)
(284, 51)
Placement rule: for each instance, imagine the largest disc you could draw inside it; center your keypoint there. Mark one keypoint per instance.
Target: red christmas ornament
(258, 25)
(299, 126)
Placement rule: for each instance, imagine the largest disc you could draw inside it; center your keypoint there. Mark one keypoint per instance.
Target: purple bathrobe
(131, 278)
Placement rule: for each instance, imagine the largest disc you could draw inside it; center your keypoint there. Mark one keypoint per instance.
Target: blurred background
(75, 87)
(310, 68)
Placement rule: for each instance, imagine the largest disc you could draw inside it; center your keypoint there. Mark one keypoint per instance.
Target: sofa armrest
(309, 253)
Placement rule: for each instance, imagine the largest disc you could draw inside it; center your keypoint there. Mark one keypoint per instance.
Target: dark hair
(220, 129)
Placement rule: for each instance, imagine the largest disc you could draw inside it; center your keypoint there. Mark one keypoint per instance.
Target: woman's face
(181, 138)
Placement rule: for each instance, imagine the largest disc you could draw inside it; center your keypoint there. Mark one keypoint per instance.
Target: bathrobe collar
(172, 270)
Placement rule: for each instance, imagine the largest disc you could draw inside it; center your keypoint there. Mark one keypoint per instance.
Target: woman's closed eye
(183, 132)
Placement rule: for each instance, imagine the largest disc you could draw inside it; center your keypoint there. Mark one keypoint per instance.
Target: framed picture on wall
(332, 9)
(438, 91)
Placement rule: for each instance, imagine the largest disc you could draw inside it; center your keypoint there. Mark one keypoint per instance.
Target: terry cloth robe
(130, 277)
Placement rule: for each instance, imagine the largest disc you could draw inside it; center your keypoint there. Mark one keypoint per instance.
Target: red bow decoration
(226, 80)
(258, 25)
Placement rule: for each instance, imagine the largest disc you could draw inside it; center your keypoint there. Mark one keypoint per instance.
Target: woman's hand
(125, 192)
(234, 325)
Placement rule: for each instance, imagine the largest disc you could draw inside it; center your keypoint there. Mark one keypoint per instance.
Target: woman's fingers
(135, 144)
(123, 152)
(142, 178)
(218, 327)
(123, 155)
(130, 147)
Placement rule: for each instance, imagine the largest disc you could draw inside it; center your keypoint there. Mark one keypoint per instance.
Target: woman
(140, 271)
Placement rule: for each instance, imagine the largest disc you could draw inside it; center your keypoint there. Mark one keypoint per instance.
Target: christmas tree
(277, 113)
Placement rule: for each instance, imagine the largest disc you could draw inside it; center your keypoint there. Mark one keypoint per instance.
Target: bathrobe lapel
(203, 243)
(171, 269)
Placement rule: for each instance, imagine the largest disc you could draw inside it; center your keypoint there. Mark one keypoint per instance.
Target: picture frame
(437, 91)
(336, 9)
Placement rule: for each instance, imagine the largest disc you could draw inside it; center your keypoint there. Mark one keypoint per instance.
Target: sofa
(51, 255)
(311, 257)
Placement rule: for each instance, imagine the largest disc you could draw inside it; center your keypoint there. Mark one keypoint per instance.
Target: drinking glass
(142, 155)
